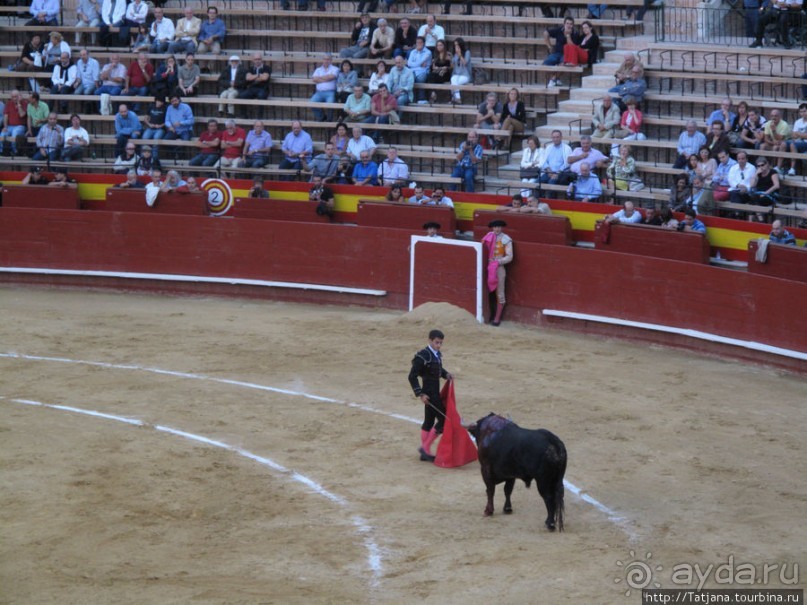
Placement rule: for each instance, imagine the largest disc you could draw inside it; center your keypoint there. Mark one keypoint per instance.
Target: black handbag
(529, 173)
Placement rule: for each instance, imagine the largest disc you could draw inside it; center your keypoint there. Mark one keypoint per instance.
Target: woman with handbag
(623, 171)
(531, 160)
(514, 116)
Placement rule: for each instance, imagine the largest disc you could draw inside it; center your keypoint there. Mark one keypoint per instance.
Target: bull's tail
(559, 489)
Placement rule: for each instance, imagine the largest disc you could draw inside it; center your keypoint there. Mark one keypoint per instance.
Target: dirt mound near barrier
(439, 316)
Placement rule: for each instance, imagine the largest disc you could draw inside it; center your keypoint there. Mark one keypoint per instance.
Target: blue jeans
(154, 133)
(85, 89)
(182, 46)
(204, 159)
(159, 48)
(258, 160)
(554, 59)
(323, 96)
(11, 133)
(467, 174)
(72, 154)
(597, 10)
(403, 99)
(52, 155)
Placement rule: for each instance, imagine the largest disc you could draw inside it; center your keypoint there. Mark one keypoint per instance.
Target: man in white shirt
(87, 73)
(154, 187)
(798, 141)
(431, 32)
(627, 215)
(161, 32)
(392, 170)
(741, 178)
(62, 79)
(76, 140)
(358, 143)
(324, 78)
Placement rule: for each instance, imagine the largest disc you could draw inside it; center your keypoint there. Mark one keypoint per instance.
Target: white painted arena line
(611, 514)
(364, 529)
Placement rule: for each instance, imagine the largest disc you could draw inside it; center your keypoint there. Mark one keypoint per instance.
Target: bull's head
(476, 427)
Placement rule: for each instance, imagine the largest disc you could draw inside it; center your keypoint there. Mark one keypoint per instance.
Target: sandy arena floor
(294, 499)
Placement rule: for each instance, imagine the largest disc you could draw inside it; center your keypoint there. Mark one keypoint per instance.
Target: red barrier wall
(649, 240)
(134, 200)
(787, 262)
(40, 196)
(278, 210)
(535, 228)
(687, 295)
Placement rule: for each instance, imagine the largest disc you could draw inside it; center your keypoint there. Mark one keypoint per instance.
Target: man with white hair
(393, 169)
(358, 143)
(627, 215)
(689, 142)
(324, 79)
(257, 147)
(185, 33)
(232, 81)
(232, 144)
(383, 40)
(587, 187)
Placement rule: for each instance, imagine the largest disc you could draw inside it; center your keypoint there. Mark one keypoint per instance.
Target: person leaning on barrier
(35, 176)
(131, 182)
(780, 235)
(257, 190)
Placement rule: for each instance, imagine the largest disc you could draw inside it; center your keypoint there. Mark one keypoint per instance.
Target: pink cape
(489, 242)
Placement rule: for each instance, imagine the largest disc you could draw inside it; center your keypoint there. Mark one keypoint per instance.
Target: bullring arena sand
(294, 499)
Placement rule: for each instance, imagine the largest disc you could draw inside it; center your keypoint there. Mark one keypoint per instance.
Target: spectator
(113, 77)
(586, 153)
(323, 194)
(188, 76)
(735, 129)
(323, 165)
(668, 221)
(679, 191)
(780, 235)
(44, 12)
(606, 119)
(88, 74)
(359, 143)
(720, 178)
(142, 41)
(462, 70)
(131, 181)
(365, 171)
(468, 155)
(257, 147)
(626, 215)
(38, 113)
(76, 139)
(583, 47)
(635, 87)
(172, 182)
(706, 165)
(359, 39)
(190, 186)
(31, 58)
(555, 39)
(296, 145)
(154, 187)
(404, 41)
(395, 194)
(35, 177)
(155, 120)
(515, 205)
(699, 199)
(488, 112)
(54, 49)
(689, 142)
(162, 32)
(717, 139)
(781, 12)
(357, 105)
(324, 78)
(724, 114)
(126, 126)
(751, 15)
(134, 17)
(419, 198)
(555, 159)
(439, 198)
(401, 82)
(432, 32)
(15, 115)
(741, 178)
(764, 188)
(753, 133)
(382, 41)
(535, 206)
(113, 12)
(62, 179)
(62, 79)
(178, 120)
(691, 222)
(622, 73)
(141, 73)
(209, 144)
(512, 118)
(344, 171)
(257, 191)
(186, 33)
(211, 33)
(232, 81)
(419, 62)
(652, 217)
(379, 76)
(587, 187)
(384, 108)
(630, 125)
(126, 161)
(531, 160)
(432, 229)
(49, 140)
(440, 72)
(775, 136)
(232, 144)
(346, 80)
(147, 163)
(623, 171)
(692, 167)
(340, 139)
(798, 138)
(166, 78)
(392, 169)
(257, 79)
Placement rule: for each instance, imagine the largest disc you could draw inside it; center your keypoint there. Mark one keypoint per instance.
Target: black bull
(508, 452)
